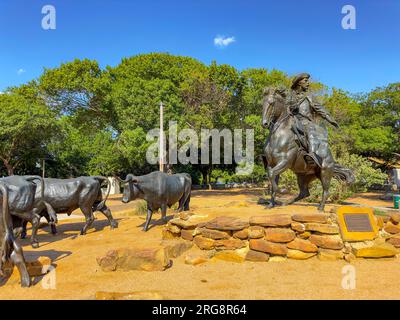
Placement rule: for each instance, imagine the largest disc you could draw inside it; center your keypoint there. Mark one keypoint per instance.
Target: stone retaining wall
(280, 236)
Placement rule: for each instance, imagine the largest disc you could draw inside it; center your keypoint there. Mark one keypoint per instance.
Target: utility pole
(161, 137)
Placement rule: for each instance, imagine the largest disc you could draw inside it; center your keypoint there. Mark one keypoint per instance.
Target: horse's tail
(343, 174)
(265, 162)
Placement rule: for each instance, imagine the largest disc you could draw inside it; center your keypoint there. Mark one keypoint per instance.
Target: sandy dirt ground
(77, 275)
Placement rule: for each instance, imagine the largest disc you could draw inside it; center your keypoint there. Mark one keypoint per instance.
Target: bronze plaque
(359, 222)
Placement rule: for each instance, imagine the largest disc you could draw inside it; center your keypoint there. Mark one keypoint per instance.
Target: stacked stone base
(276, 237)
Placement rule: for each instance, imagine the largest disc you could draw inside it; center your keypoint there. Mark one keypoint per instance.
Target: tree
(80, 89)
(25, 128)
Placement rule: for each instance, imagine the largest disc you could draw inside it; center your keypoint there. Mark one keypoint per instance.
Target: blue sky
(292, 36)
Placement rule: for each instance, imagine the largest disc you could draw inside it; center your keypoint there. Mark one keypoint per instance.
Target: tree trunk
(9, 167)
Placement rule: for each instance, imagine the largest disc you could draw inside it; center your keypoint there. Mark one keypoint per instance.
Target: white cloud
(222, 41)
(20, 71)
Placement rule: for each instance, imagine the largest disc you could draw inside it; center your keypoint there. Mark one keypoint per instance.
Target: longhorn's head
(131, 190)
(273, 105)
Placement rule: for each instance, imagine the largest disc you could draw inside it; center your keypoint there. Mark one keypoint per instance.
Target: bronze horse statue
(282, 152)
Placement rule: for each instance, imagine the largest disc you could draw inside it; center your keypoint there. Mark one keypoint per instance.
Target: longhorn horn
(130, 177)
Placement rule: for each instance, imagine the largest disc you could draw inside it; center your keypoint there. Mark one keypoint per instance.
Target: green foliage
(80, 89)
(365, 175)
(24, 130)
(87, 120)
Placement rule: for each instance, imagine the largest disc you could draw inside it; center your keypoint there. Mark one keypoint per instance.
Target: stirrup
(312, 159)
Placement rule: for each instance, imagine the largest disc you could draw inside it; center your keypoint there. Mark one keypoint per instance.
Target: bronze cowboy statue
(305, 108)
(297, 141)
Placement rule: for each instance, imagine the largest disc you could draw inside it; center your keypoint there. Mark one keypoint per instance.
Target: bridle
(280, 120)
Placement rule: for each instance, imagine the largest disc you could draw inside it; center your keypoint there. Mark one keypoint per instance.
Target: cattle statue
(18, 199)
(159, 190)
(67, 195)
(26, 202)
(10, 250)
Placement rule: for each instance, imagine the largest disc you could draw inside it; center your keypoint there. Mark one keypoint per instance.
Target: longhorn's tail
(343, 174)
(101, 180)
(7, 227)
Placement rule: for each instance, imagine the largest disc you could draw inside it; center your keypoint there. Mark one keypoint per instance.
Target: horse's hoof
(270, 206)
(25, 282)
(35, 245)
(114, 225)
(262, 201)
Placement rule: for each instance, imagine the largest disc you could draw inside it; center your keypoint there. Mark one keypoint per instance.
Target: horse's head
(273, 105)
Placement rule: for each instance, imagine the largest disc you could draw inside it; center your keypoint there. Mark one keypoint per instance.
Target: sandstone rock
(204, 243)
(256, 232)
(196, 258)
(383, 234)
(227, 223)
(213, 234)
(184, 215)
(330, 255)
(268, 247)
(392, 228)
(395, 241)
(271, 220)
(279, 235)
(230, 244)
(375, 251)
(302, 245)
(241, 234)
(304, 235)
(300, 255)
(349, 257)
(229, 255)
(379, 222)
(297, 226)
(187, 234)
(322, 228)
(310, 217)
(277, 259)
(185, 224)
(327, 242)
(36, 268)
(395, 218)
(173, 228)
(138, 295)
(147, 259)
(174, 248)
(257, 256)
(168, 235)
(347, 248)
